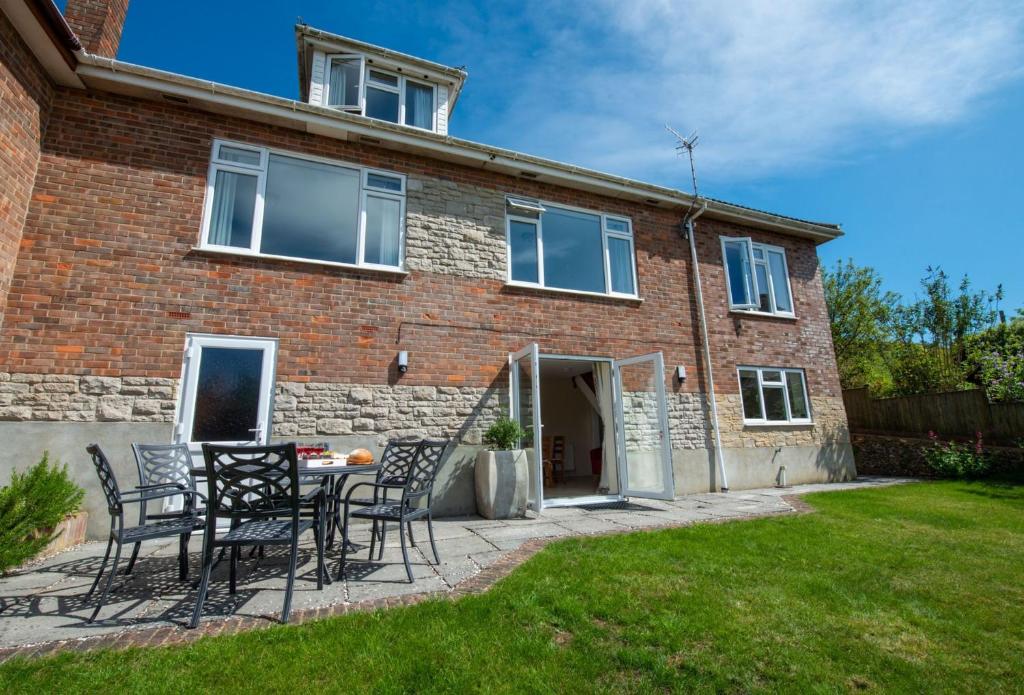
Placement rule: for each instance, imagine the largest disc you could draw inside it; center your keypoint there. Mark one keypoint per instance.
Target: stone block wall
(72, 398)
(829, 425)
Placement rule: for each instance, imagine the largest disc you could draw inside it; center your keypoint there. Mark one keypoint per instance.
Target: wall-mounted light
(681, 373)
(403, 361)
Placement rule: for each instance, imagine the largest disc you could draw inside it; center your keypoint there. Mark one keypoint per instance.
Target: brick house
(190, 261)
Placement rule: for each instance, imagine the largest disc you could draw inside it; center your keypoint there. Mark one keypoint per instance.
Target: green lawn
(915, 588)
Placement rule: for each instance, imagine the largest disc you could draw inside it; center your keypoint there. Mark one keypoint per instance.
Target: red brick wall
(97, 23)
(25, 95)
(108, 256)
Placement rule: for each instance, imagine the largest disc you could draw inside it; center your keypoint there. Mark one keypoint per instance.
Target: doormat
(621, 505)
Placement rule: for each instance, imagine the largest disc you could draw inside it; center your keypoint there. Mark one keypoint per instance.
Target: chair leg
(344, 550)
(292, 562)
(373, 538)
(182, 556)
(233, 575)
(106, 556)
(133, 558)
(412, 539)
(110, 580)
(204, 583)
(405, 551)
(320, 534)
(430, 532)
(383, 536)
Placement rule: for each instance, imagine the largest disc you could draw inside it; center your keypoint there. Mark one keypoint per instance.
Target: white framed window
(343, 82)
(774, 396)
(570, 249)
(266, 202)
(398, 99)
(757, 277)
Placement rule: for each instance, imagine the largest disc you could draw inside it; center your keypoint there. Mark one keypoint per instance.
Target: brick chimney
(98, 24)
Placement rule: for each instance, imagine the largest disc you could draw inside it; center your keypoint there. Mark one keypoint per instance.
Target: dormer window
(342, 86)
(382, 96)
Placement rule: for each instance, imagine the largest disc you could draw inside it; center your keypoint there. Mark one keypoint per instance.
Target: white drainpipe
(719, 457)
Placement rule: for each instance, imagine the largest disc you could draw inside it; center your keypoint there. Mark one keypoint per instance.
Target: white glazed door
(524, 390)
(641, 427)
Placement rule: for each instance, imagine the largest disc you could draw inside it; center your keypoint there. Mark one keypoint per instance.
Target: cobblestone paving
(43, 608)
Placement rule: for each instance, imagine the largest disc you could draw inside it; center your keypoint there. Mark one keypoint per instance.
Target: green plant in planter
(504, 434)
(36, 500)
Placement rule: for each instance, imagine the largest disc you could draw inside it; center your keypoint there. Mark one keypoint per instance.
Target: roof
(306, 35)
(43, 29)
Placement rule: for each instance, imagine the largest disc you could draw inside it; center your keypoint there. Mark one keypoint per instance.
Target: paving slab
(46, 601)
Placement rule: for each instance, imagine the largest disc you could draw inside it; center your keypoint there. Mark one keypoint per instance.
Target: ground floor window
(774, 395)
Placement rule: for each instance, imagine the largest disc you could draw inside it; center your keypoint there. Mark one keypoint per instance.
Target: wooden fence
(953, 414)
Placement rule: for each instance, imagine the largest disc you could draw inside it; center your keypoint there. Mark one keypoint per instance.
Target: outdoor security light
(681, 373)
(403, 361)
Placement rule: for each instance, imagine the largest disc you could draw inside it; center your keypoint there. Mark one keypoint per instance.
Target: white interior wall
(566, 412)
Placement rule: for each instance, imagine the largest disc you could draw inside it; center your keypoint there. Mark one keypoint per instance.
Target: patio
(44, 605)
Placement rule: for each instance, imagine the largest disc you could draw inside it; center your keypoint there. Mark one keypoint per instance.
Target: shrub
(31, 507)
(953, 460)
(504, 434)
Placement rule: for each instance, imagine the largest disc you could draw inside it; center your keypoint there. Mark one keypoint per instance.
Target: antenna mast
(686, 145)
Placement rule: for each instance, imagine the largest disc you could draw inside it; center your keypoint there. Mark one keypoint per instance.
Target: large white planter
(502, 484)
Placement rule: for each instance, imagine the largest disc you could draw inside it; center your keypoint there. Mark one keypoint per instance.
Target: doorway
(597, 427)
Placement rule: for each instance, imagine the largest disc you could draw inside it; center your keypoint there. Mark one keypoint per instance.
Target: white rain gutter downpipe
(719, 457)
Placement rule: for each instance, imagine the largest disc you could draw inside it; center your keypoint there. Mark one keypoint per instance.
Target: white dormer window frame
(329, 61)
(400, 88)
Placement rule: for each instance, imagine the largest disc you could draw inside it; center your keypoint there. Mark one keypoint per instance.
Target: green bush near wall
(31, 506)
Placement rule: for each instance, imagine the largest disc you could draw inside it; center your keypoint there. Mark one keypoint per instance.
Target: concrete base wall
(695, 470)
(454, 494)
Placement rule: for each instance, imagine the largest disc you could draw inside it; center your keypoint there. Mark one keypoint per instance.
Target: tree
(860, 316)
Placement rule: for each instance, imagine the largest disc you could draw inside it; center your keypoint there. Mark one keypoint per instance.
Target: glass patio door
(524, 391)
(227, 391)
(641, 427)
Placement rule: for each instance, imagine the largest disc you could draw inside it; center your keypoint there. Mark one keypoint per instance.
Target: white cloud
(770, 86)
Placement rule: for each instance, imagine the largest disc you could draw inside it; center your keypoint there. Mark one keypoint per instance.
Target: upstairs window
(342, 86)
(568, 249)
(382, 95)
(757, 277)
(774, 396)
(270, 203)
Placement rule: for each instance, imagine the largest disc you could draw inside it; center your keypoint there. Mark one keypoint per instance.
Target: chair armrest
(157, 486)
(376, 486)
(311, 495)
(137, 496)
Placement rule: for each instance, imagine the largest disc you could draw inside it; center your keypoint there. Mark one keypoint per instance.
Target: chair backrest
(397, 459)
(420, 481)
(108, 482)
(251, 482)
(163, 463)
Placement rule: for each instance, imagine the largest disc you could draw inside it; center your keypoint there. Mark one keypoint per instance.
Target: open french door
(524, 390)
(641, 427)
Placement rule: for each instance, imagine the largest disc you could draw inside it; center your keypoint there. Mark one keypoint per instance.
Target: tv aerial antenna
(686, 145)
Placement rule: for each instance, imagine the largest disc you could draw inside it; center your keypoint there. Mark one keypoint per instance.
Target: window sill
(305, 261)
(577, 293)
(797, 423)
(762, 314)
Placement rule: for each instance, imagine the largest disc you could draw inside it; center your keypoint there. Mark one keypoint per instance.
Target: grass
(915, 588)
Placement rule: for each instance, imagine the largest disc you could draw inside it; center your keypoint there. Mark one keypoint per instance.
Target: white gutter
(719, 456)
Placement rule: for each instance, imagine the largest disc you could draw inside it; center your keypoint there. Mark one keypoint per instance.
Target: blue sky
(901, 121)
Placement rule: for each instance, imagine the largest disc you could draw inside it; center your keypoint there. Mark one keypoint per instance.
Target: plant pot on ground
(502, 473)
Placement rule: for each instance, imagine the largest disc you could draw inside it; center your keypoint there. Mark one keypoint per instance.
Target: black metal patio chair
(415, 502)
(256, 490)
(395, 463)
(181, 525)
(159, 464)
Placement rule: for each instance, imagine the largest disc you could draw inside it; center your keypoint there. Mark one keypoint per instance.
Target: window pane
(573, 254)
(797, 398)
(764, 303)
(382, 105)
(751, 395)
(383, 226)
(738, 264)
(774, 376)
(387, 183)
(234, 200)
(621, 265)
(523, 239)
(311, 210)
(419, 105)
(780, 284)
(384, 78)
(227, 395)
(774, 403)
(614, 225)
(343, 83)
(237, 154)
